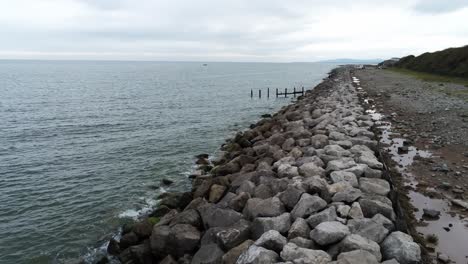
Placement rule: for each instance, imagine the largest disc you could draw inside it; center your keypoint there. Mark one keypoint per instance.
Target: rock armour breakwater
(301, 186)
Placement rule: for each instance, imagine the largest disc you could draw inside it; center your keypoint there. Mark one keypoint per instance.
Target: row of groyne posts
(278, 93)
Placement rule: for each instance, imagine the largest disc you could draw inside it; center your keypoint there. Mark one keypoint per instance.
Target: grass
(441, 87)
(433, 239)
(431, 77)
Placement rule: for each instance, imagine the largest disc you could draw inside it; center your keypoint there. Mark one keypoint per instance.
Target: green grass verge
(459, 93)
(431, 77)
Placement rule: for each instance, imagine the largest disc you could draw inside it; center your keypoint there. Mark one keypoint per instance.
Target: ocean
(85, 144)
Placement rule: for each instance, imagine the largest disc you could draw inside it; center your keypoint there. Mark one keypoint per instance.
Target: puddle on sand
(453, 243)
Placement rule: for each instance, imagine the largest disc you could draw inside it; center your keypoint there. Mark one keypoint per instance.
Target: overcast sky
(225, 30)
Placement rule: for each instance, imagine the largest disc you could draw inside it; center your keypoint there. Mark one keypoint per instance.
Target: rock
(401, 247)
(160, 211)
(358, 170)
(232, 255)
(374, 186)
(247, 187)
(310, 159)
(113, 248)
(307, 205)
(176, 240)
(303, 242)
(291, 252)
(460, 203)
(355, 212)
(143, 229)
(329, 232)
(228, 168)
(370, 160)
(348, 195)
(343, 210)
(299, 228)
(311, 169)
(340, 164)
(337, 176)
(280, 223)
(175, 200)
(356, 242)
(224, 202)
(339, 187)
(233, 235)
(372, 205)
(262, 191)
(256, 207)
(237, 203)
(190, 217)
(371, 173)
(208, 254)
(356, 257)
(167, 218)
(216, 193)
(431, 213)
(443, 258)
(257, 255)
(167, 181)
(287, 171)
(168, 260)
(213, 216)
(271, 240)
(291, 196)
(326, 215)
(288, 144)
(128, 240)
(390, 261)
(319, 141)
(368, 228)
(387, 223)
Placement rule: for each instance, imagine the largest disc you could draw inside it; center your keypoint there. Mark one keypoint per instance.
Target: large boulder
(234, 235)
(256, 207)
(208, 254)
(311, 169)
(401, 247)
(328, 233)
(176, 240)
(232, 255)
(257, 255)
(348, 195)
(374, 186)
(272, 240)
(291, 196)
(356, 242)
(319, 141)
(356, 257)
(189, 216)
(280, 223)
(326, 215)
(287, 171)
(340, 164)
(368, 228)
(291, 252)
(337, 176)
(214, 216)
(307, 205)
(299, 228)
(376, 204)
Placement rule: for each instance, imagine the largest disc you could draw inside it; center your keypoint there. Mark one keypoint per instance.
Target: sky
(229, 30)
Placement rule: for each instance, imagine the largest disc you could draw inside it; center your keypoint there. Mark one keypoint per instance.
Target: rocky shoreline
(301, 186)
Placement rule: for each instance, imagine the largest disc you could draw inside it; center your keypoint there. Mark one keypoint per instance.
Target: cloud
(241, 30)
(438, 6)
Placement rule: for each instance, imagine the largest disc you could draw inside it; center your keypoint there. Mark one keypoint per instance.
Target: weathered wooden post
(302, 90)
(259, 93)
(294, 91)
(285, 92)
(251, 93)
(268, 92)
(276, 92)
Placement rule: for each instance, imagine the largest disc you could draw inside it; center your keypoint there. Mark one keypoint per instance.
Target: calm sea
(83, 145)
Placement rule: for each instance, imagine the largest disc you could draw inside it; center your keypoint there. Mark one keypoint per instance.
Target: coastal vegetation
(448, 62)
